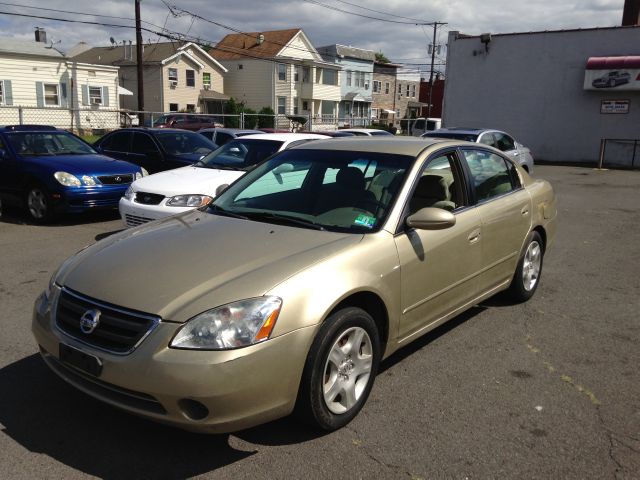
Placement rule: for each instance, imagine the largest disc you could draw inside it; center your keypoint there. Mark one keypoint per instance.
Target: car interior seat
(431, 191)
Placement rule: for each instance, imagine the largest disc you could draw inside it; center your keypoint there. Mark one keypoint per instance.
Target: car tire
(340, 369)
(38, 203)
(527, 276)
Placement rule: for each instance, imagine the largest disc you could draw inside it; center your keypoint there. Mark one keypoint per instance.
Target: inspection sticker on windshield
(365, 221)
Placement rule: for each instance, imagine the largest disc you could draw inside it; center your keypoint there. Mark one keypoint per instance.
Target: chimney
(631, 13)
(41, 35)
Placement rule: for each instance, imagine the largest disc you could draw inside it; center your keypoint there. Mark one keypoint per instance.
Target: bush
(266, 118)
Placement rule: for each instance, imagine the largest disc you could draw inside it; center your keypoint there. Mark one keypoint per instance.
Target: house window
(1, 92)
(295, 106)
(173, 107)
(191, 78)
(173, 74)
(206, 80)
(305, 105)
(398, 113)
(191, 108)
(296, 74)
(377, 86)
(349, 78)
(413, 91)
(329, 77)
(386, 88)
(282, 72)
(51, 95)
(374, 113)
(95, 95)
(400, 89)
(306, 74)
(408, 86)
(282, 105)
(240, 66)
(318, 74)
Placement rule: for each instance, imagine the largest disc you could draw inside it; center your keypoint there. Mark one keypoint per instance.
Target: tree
(381, 58)
(266, 118)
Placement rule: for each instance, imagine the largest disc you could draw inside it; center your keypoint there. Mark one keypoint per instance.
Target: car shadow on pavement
(45, 415)
(18, 216)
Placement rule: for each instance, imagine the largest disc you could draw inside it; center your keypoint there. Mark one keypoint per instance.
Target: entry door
(438, 267)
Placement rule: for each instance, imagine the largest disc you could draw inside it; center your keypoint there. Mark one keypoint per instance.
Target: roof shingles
(248, 45)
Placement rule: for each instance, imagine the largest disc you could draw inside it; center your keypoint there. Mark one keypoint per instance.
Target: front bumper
(81, 199)
(134, 214)
(205, 391)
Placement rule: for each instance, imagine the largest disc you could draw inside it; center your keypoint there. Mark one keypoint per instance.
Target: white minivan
(423, 125)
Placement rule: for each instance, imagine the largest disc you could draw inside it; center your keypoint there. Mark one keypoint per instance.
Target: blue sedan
(53, 171)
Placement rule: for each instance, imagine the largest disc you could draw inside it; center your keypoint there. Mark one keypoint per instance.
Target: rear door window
(504, 142)
(143, 144)
(117, 142)
(492, 174)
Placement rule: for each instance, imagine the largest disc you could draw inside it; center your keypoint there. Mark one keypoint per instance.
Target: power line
(378, 11)
(348, 12)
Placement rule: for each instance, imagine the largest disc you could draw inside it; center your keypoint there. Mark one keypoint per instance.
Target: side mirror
(3, 154)
(431, 219)
(221, 188)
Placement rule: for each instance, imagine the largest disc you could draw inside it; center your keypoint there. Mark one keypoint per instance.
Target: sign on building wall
(612, 73)
(614, 106)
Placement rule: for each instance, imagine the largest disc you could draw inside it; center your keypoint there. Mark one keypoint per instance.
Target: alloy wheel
(531, 265)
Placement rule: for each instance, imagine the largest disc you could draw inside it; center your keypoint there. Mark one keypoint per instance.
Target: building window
(386, 88)
(282, 105)
(374, 113)
(95, 95)
(296, 73)
(1, 92)
(206, 80)
(377, 86)
(398, 113)
(240, 66)
(318, 74)
(191, 108)
(400, 89)
(51, 95)
(282, 72)
(413, 90)
(305, 105)
(295, 106)
(173, 74)
(329, 77)
(306, 74)
(349, 78)
(191, 78)
(173, 107)
(408, 87)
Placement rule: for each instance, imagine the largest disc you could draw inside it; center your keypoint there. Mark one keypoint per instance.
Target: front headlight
(67, 179)
(192, 200)
(89, 181)
(234, 325)
(129, 194)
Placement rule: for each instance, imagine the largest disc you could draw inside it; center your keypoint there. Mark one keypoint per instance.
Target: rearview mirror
(431, 219)
(221, 188)
(283, 168)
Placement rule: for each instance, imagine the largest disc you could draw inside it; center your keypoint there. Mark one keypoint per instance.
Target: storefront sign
(612, 73)
(614, 106)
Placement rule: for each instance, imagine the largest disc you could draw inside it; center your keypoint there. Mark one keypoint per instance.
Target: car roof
(463, 130)
(28, 128)
(369, 130)
(229, 130)
(284, 137)
(411, 146)
(152, 130)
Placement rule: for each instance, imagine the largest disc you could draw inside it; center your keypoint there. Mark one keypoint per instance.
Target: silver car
(494, 138)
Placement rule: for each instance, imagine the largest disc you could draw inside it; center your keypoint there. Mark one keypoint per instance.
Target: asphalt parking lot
(546, 389)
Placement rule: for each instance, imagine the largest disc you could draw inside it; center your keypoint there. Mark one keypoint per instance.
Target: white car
(366, 132)
(181, 189)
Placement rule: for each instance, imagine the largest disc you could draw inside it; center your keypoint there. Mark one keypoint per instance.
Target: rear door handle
(474, 236)
(525, 211)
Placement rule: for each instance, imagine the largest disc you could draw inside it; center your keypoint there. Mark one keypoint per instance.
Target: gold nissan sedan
(286, 292)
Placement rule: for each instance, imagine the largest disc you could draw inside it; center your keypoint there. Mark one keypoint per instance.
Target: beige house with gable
(177, 76)
(280, 69)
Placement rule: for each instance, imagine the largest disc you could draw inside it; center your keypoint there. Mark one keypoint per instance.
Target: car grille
(148, 198)
(119, 331)
(95, 203)
(135, 220)
(116, 179)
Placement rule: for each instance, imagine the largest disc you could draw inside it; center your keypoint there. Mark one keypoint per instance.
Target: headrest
(351, 178)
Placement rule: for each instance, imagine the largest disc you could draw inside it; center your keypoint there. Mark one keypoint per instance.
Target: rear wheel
(340, 369)
(527, 277)
(39, 204)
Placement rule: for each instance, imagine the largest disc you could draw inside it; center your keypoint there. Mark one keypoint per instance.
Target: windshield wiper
(227, 213)
(284, 219)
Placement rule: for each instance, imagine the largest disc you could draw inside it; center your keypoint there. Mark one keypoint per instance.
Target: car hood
(77, 164)
(186, 180)
(186, 264)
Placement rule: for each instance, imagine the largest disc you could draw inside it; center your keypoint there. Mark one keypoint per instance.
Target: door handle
(474, 236)
(525, 211)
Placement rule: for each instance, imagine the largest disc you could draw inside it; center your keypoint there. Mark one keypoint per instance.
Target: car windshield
(163, 119)
(47, 143)
(240, 154)
(184, 143)
(467, 137)
(343, 191)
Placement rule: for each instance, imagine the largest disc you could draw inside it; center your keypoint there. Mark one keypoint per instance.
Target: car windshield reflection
(343, 191)
(241, 154)
(47, 143)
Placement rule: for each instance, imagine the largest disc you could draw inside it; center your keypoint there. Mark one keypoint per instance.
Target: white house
(40, 85)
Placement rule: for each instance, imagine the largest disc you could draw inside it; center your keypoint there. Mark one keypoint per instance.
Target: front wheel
(38, 203)
(340, 369)
(527, 277)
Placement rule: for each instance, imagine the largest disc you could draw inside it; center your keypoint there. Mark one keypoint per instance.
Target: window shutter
(40, 94)
(105, 96)
(85, 94)
(64, 102)
(7, 92)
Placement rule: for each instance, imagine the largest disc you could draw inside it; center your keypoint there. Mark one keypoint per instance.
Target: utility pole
(433, 61)
(139, 61)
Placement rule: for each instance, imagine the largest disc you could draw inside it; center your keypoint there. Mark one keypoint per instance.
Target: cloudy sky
(381, 25)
